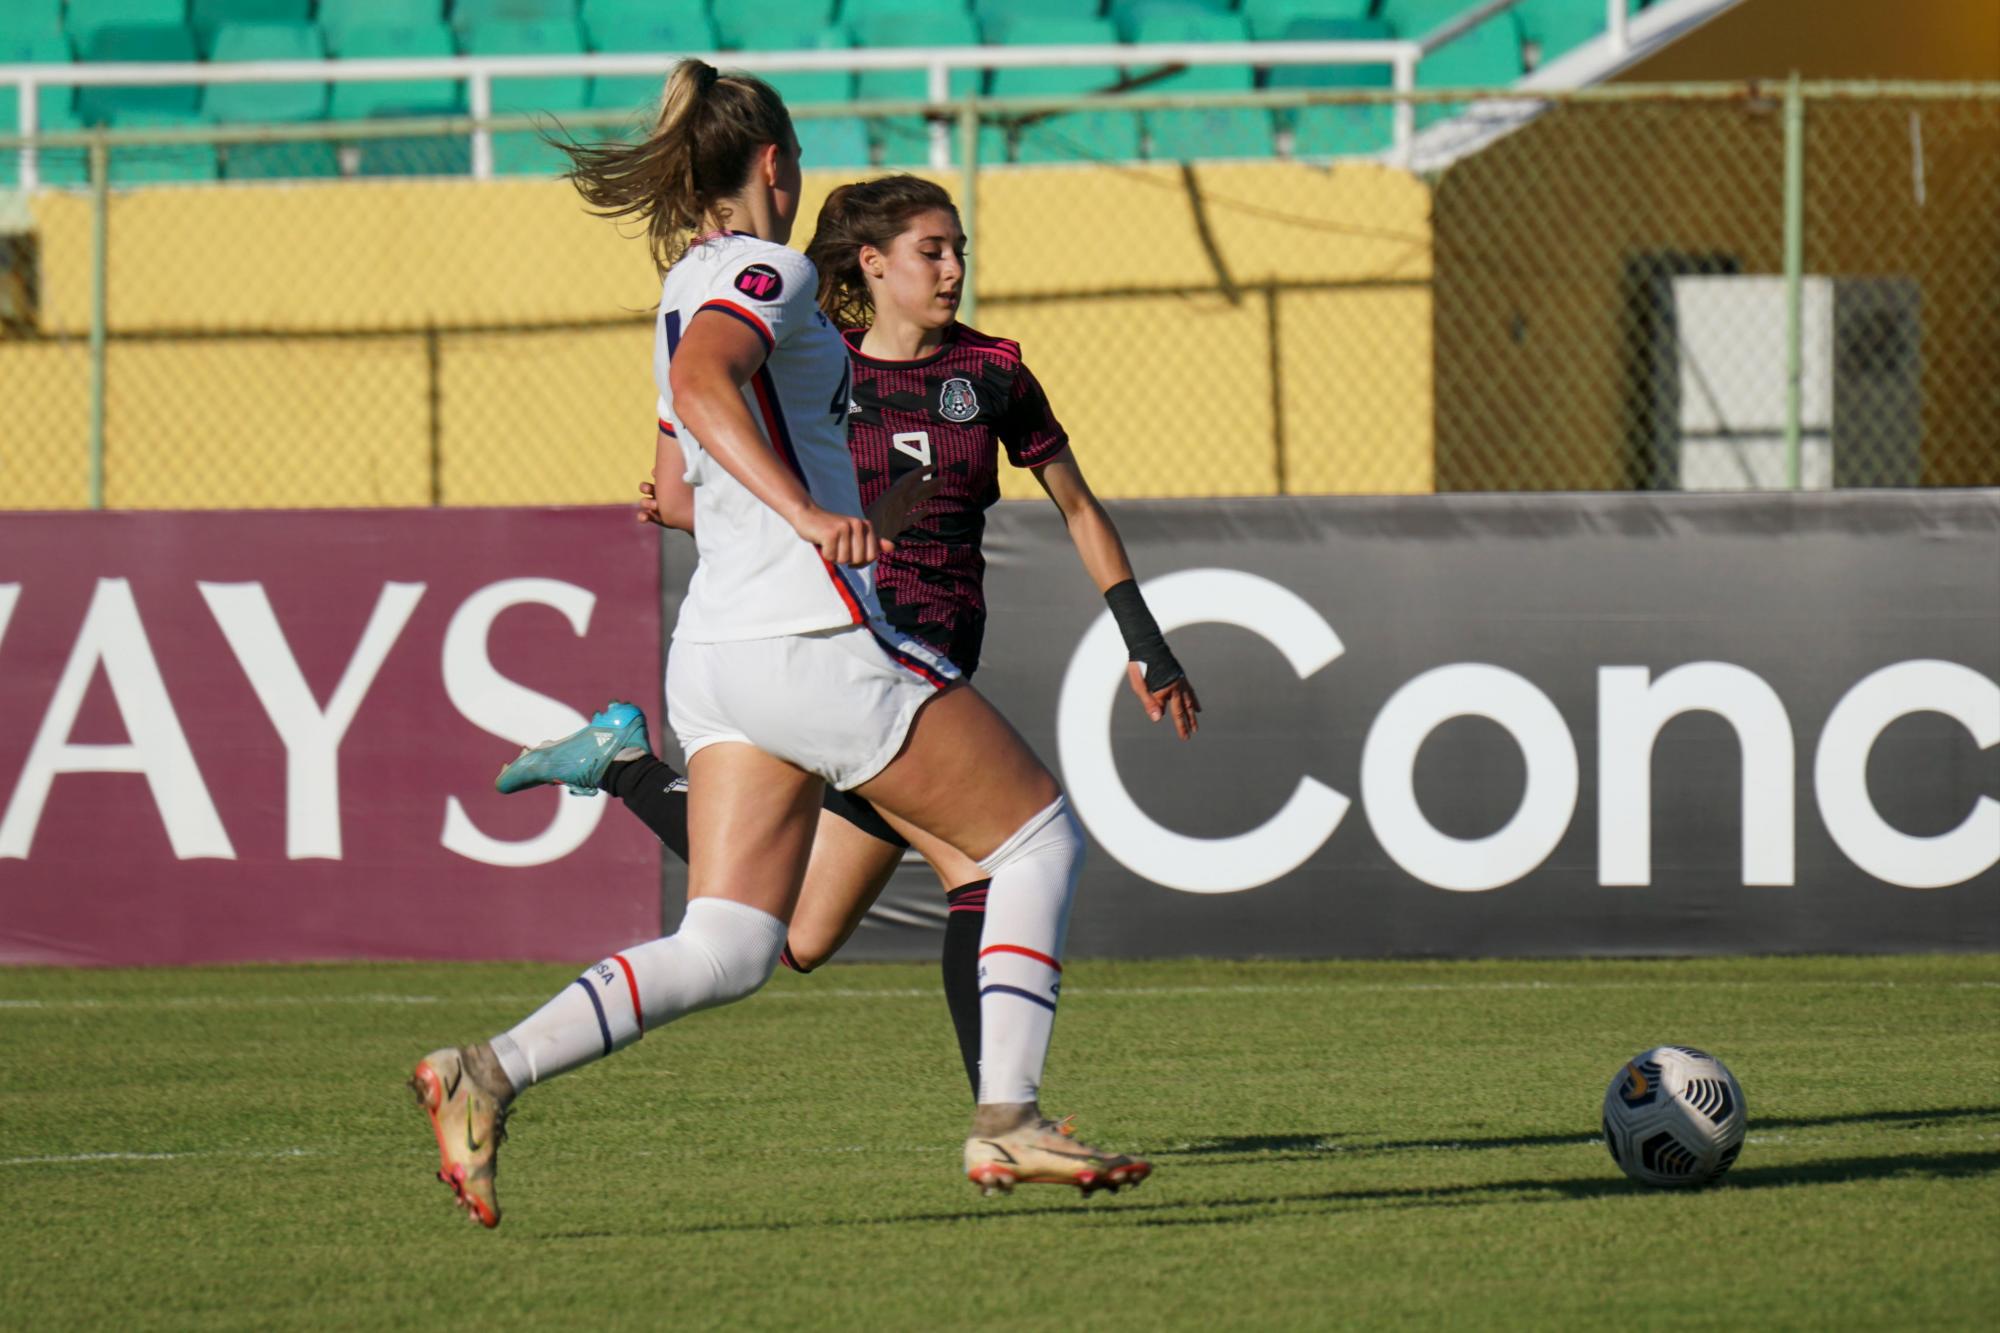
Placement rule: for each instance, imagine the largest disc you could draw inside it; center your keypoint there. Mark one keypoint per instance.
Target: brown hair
(865, 213)
(699, 151)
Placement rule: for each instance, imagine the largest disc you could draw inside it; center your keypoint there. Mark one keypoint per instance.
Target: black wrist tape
(1143, 640)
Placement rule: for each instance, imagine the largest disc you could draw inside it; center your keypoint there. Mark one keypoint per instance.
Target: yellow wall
(274, 345)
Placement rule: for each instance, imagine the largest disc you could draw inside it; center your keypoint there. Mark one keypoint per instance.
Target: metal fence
(1618, 288)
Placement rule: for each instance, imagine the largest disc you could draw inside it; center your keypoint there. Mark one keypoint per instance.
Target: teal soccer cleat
(578, 760)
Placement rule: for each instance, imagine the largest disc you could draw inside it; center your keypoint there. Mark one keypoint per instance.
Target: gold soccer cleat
(470, 1121)
(1042, 1152)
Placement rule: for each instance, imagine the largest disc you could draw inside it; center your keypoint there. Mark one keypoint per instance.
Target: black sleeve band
(1143, 640)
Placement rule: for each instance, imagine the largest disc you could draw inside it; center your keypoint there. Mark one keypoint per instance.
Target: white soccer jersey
(756, 578)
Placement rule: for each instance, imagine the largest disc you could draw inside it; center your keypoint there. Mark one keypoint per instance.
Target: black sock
(963, 922)
(656, 794)
(785, 957)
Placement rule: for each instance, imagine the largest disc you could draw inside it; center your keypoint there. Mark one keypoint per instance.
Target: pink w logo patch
(760, 282)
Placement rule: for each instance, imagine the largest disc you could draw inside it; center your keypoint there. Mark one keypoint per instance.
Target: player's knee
(1052, 834)
(740, 943)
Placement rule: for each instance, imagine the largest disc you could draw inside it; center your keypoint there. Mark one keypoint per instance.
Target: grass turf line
(1382, 1143)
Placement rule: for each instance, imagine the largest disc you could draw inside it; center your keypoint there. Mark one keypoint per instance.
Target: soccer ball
(1674, 1116)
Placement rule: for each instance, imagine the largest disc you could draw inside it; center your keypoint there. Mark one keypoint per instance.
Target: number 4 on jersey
(915, 443)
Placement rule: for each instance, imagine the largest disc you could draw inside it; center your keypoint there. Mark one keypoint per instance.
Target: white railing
(478, 72)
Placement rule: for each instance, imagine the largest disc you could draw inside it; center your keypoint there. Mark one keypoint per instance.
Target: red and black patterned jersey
(954, 411)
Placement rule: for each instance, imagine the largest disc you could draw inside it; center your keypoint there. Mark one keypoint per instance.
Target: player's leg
(751, 819)
(965, 776)
(965, 886)
(611, 754)
(849, 867)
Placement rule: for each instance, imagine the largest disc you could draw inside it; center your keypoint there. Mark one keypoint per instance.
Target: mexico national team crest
(957, 401)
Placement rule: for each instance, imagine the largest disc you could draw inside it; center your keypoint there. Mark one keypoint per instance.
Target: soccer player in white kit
(783, 674)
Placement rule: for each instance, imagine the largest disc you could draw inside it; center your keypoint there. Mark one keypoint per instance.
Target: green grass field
(1334, 1144)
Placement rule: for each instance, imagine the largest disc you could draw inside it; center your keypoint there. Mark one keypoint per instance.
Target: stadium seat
(158, 163)
(614, 32)
(1071, 137)
(1268, 19)
(208, 16)
(54, 108)
(990, 11)
(469, 15)
(1179, 135)
(1487, 56)
(338, 17)
(149, 43)
(1127, 15)
(905, 140)
(425, 155)
(750, 27)
(254, 103)
(829, 141)
(403, 97)
(1334, 131)
(1557, 27)
(31, 18)
(1414, 18)
(525, 152)
(85, 19)
(267, 103)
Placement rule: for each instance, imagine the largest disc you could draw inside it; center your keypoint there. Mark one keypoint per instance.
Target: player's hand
(842, 539)
(1177, 700)
(892, 510)
(649, 505)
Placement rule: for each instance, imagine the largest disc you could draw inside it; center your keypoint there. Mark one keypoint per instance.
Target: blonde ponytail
(700, 150)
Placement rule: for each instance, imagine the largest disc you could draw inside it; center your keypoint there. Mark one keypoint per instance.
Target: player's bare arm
(669, 503)
(1160, 690)
(715, 360)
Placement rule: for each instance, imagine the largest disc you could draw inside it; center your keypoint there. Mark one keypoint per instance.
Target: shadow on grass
(1308, 1147)
(1251, 1208)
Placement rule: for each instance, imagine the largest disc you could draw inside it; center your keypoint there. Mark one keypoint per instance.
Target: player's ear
(767, 164)
(873, 262)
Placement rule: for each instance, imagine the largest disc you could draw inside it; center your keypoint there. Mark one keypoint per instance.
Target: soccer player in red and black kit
(932, 397)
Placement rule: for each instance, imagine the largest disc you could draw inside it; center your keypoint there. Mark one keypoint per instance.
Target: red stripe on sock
(632, 984)
(1015, 948)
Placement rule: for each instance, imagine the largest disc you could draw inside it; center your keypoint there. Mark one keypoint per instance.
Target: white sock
(722, 952)
(1020, 951)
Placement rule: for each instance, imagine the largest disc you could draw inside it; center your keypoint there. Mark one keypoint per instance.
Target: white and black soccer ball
(1674, 1116)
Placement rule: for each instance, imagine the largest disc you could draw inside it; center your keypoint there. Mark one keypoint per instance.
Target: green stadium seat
(313, 159)
(688, 30)
(1180, 135)
(858, 14)
(1489, 56)
(1070, 137)
(84, 19)
(160, 163)
(525, 152)
(1557, 27)
(255, 103)
(1268, 19)
(1336, 131)
(1127, 15)
(753, 27)
(905, 140)
(418, 155)
(151, 44)
(1413, 18)
(207, 17)
(422, 155)
(823, 141)
(54, 109)
(31, 18)
(338, 17)
(469, 15)
(990, 11)
(401, 97)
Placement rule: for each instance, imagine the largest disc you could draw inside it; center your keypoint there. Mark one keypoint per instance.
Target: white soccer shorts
(837, 703)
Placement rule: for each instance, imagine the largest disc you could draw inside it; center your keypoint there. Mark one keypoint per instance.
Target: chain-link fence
(1702, 288)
